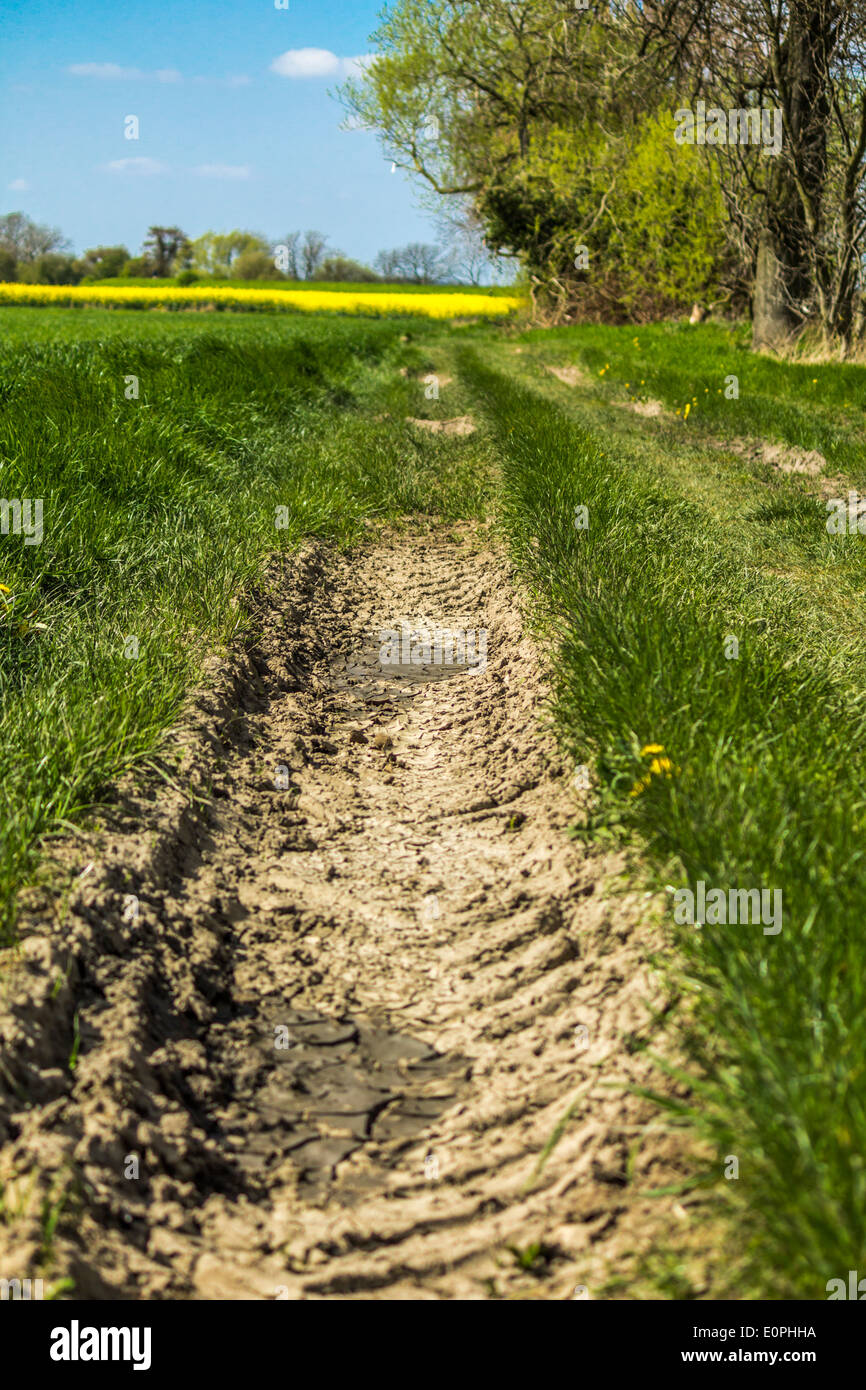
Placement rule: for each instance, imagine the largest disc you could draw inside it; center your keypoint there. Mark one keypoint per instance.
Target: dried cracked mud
(301, 1018)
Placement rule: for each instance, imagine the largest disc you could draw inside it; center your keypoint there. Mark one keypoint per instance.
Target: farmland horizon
(239, 124)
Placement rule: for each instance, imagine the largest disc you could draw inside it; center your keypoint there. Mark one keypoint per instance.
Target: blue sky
(225, 138)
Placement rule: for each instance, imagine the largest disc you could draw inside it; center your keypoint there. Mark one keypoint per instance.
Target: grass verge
(756, 781)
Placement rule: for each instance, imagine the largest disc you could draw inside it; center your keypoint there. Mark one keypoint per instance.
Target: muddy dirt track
(306, 1024)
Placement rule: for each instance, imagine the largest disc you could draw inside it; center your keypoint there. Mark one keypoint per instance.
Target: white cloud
(113, 72)
(139, 164)
(318, 62)
(19, 186)
(107, 71)
(306, 62)
(223, 171)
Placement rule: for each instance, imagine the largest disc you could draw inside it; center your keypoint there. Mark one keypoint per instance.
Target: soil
(786, 458)
(300, 1016)
(651, 409)
(460, 425)
(570, 376)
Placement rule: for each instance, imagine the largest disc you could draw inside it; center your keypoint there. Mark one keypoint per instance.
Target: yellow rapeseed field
(447, 305)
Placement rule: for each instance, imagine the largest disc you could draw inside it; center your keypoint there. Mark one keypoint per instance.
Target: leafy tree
(388, 264)
(507, 106)
(53, 268)
(472, 95)
(343, 268)
(215, 253)
(798, 217)
(288, 250)
(137, 268)
(664, 229)
(26, 240)
(529, 114)
(420, 263)
(166, 248)
(254, 264)
(613, 230)
(312, 253)
(102, 262)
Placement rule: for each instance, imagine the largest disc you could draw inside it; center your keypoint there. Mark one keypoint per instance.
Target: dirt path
(331, 1013)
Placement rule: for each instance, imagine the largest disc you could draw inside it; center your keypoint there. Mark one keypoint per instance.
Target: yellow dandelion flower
(687, 409)
(4, 589)
(661, 767)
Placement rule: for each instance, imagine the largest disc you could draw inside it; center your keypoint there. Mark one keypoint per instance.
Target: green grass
(814, 407)
(160, 516)
(770, 792)
(160, 522)
(775, 522)
(33, 324)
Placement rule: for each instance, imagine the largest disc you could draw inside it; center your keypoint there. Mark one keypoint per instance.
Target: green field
(160, 520)
(160, 514)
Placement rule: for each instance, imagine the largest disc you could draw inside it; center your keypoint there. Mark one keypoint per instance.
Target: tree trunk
(774, 320)
(791, 275)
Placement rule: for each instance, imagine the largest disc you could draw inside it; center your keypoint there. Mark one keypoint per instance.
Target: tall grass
(767, 789)
(160, 515)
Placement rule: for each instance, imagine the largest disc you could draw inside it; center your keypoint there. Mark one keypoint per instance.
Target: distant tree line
(34, 254)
